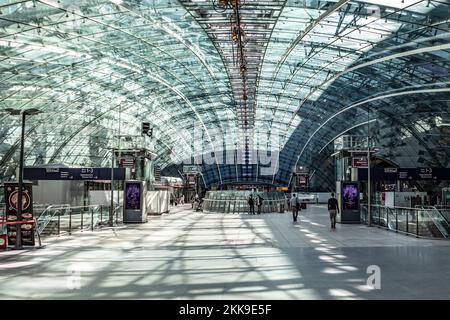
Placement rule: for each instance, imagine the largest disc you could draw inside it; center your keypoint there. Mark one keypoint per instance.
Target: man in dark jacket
(251, 204)
(259, 201)
(333, 209)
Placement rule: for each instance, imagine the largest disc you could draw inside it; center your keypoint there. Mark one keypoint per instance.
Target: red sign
(302, 181)
(126, 162)
(3, 242)
(359, 162)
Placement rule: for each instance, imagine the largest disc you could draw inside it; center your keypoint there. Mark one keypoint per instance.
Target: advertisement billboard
(133, 196)
(350, 196)
(11, 199)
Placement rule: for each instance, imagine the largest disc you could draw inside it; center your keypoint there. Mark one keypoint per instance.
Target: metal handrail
(95, 212)
(44, 219)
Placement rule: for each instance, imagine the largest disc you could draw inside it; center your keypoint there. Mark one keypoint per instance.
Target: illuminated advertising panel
(350, 196)
(133, 196)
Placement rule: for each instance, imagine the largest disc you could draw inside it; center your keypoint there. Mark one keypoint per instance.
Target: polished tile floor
(187, 255)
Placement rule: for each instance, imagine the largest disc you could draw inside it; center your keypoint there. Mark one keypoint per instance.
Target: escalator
(422, 221)
(434, 222)
(445, 212)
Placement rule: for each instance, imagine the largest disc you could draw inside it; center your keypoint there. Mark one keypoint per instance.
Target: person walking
(295, 206)
(251, 204)
(333, 209)
(259, 201)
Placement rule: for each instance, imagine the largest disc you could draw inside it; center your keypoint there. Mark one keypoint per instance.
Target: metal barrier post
(59, 222)
(82, 212)
(396, 221)
(37, 232)
(407, 222)
(70, 221)
(117, 217)
(387, 218)
(417, 224)
(92, 219)
(101, 214)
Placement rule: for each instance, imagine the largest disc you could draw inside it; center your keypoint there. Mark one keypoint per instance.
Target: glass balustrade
(237, 201)
(422, 221)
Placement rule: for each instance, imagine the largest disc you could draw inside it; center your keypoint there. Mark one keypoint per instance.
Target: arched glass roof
(99, 68)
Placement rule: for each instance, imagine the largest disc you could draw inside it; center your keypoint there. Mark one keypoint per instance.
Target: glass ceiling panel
(99, 68)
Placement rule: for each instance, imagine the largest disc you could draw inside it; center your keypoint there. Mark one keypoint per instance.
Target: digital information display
(394, 174)
(73, 173)
(350, 196)
(133, 196)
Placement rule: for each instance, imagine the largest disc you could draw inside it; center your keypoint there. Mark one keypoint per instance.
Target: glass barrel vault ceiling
(100, 68)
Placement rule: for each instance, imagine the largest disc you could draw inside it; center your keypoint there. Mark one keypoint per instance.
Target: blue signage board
(394, 174)
(73, 173)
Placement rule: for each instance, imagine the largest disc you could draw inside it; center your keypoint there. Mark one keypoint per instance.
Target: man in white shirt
(295, 206)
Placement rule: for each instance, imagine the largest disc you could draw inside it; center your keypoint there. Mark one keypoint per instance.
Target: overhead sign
(191, 169)
(157, 172)
(73, 173)
(191, 180)
(394, 174)
(126, 162)
(360, 162)
(301, 180)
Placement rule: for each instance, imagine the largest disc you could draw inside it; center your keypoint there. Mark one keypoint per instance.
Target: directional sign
(73, 173)
(359, 162)
(126, 162)
(394, 174)
(191, 169)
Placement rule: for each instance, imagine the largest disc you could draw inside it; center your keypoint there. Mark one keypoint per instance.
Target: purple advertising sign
(350, 196)
(133, 196)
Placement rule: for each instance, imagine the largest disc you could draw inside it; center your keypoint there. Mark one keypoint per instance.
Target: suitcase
(303, 206)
